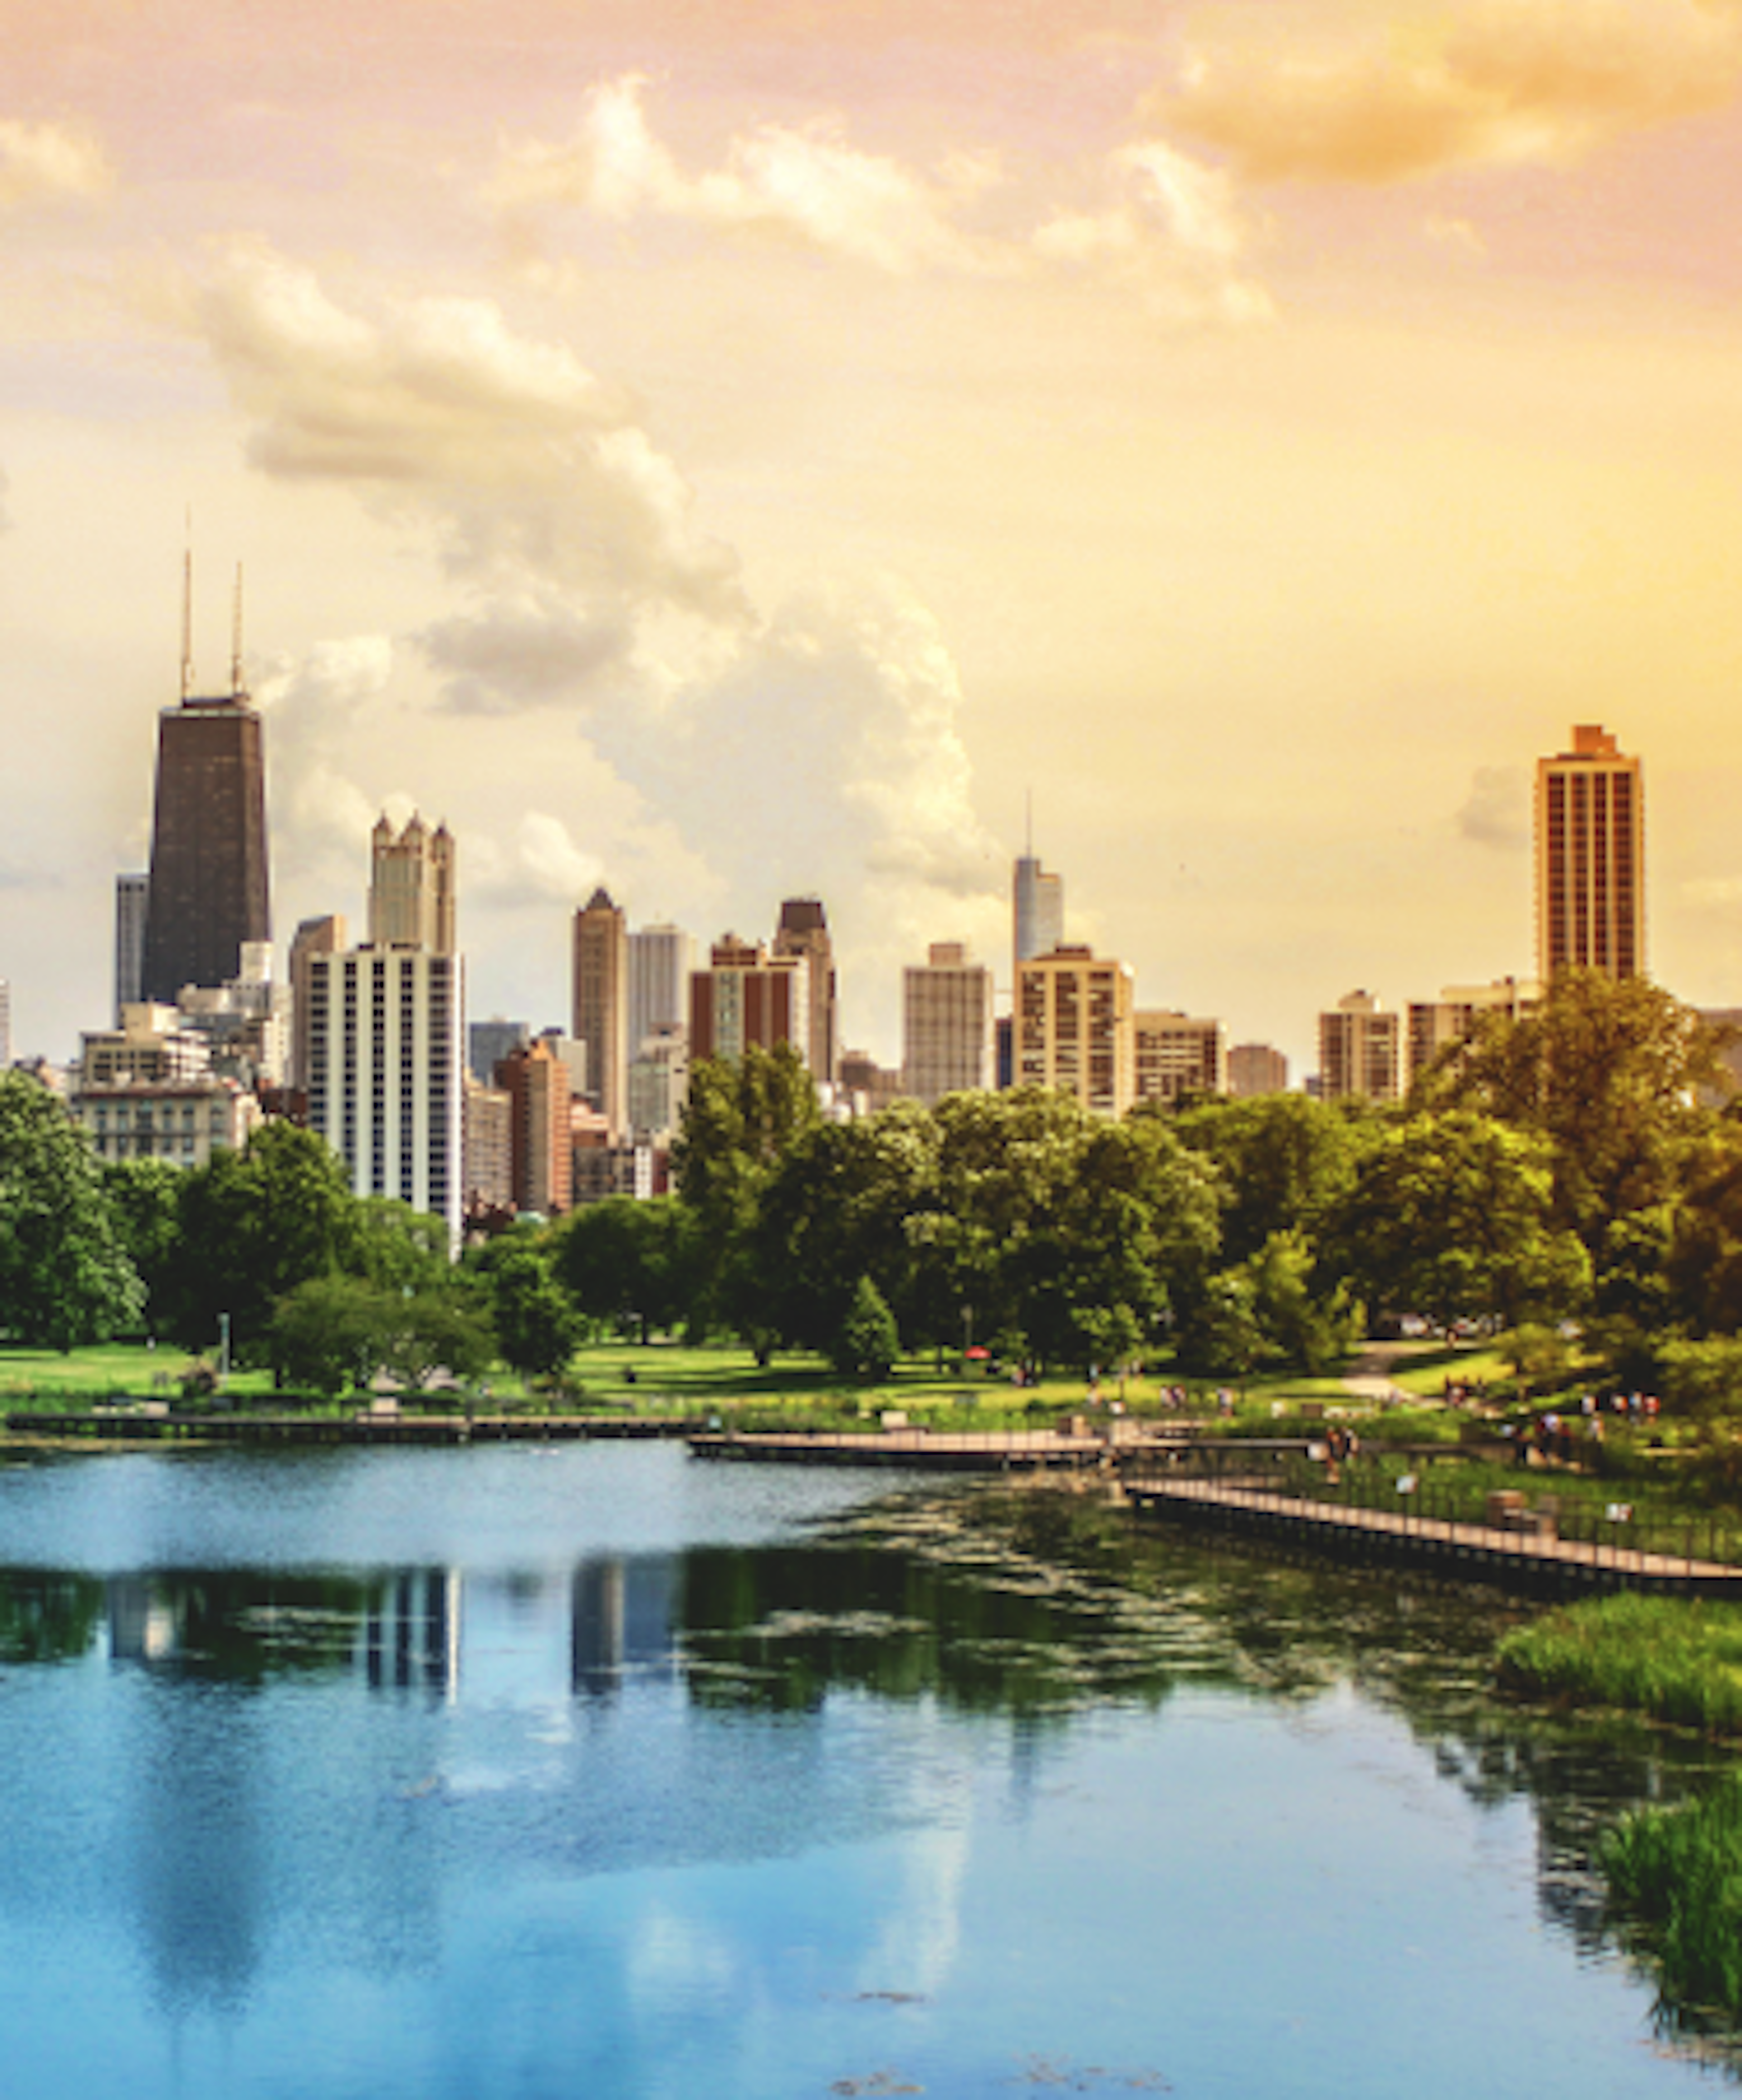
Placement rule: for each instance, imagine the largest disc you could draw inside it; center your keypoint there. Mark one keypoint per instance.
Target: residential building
(1174, 1055)
(132, 896)
(246, 1022)
(152, 1047)
(1590, 859)
(660, 1084)
(660, 960)
(804, 930)
(601, 992)
(1074, 1027)
(1361, 1051)
(487, 1138)
(541, 1100)
(412, 877)
(1256, 1068)
(325, 936)
(1434, 1024)
(208, 892)
(387, 1022)
(863, 1086)
(749, 998)
(183, 1121)
(947, 1043)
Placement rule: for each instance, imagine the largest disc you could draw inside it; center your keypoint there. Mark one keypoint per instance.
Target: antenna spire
(235, 639)
(188, 609)
(1028, 833)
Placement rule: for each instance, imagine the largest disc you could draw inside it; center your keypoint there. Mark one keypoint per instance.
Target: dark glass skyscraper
(208, 875)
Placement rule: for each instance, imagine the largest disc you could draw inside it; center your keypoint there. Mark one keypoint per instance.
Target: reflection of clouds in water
(920, 1936)
(674, 1955)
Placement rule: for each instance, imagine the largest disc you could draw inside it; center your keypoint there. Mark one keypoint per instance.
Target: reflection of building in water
(145, 1624)
(411, 1633)
(622, 1623)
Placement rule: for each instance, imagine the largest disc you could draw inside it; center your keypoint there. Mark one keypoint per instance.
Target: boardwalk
(989, 1451)
(1488, 1554)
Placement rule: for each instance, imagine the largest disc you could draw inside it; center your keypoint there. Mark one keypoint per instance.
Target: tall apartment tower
(314, 937)
(602, 1005)
(660, 960)
(132, 892)
(946, 1024)
(1074, 1029)
(1361, 1051)
(747, 997)
(208, 883)
(1590, 859)
(1177, 1055)
(386, 1035)
(1037, 908)
(804, 930)
(412, 881)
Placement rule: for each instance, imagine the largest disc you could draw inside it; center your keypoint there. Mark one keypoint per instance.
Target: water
(594, 1771)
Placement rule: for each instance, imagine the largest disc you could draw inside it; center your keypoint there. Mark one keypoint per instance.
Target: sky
(741, 450)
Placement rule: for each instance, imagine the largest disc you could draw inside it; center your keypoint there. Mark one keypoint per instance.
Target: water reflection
(318, 1755)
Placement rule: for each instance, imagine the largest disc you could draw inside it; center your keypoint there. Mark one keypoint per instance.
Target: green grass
(1675, 1876)
(1674, 1658)
(111, 1369)
(1424, 1372)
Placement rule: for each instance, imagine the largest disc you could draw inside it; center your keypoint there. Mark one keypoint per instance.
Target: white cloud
(807, 184)
(1497, 810)
(50, 163)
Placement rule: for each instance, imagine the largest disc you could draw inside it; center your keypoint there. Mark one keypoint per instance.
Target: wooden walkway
(989, 1451)
(1476, 1551)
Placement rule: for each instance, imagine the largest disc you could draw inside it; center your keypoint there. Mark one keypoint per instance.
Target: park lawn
(1425, 1372)
(105, 1370)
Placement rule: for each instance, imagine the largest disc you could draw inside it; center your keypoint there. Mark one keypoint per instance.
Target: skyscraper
(946, 1024)
(804, 930)
(314, 937)
(1590, 859)
(385, 1025)
(660, 960)
(747, 997)
(1038, 904)
(602, 1004)
(208, 883)
(132, 893)
(412, 877)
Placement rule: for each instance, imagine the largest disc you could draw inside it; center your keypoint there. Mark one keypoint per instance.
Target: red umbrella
(976, 1352)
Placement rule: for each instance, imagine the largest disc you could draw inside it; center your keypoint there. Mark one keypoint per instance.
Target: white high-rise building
(386, 1034)
(946, 1024)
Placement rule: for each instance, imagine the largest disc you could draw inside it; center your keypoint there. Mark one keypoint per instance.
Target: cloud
(1719, 894)
(807, 185)
(545, 866)
(520, 456)
(1172, 231)
(530, 649)
(50, 164)
(1498, 82)
(1497, 810)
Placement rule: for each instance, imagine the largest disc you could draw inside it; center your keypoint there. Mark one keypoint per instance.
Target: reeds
(1674, 1658)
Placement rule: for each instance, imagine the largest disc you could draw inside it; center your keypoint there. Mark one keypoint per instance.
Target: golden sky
(732, 450)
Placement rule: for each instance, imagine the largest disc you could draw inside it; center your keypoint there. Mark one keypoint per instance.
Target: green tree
(144, 1198)
(1283, 1161)
(65, 1278)
(538, 1327)
(1610, 1074)
(743, 1116)
(866, 1343)
(328, 1334)
(1452, 1216)
(254, 1224)
(633, 1263)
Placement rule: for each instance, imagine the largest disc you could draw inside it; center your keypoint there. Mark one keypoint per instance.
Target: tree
(634, 1262)
(65, 1278)
(1451, 1216)
(144, 1199)
(1283, 1161)
(538, 1328)
(326, 1333)
(743, 1116)
(1610, 1073)
(254, 1224)
(866, 1344)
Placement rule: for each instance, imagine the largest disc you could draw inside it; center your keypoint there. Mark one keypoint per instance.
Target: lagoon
(585, 1770)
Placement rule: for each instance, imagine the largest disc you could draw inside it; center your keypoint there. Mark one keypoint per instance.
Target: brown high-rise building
(602, 1005)
(208, 886)
(749, 999)
(804, 930)
(1590, 859)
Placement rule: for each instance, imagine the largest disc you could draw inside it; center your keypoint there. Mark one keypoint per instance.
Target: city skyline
(730, 467)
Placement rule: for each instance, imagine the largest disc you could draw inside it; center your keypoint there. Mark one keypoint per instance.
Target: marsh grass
(1675, 1884)
(1671, 1658)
